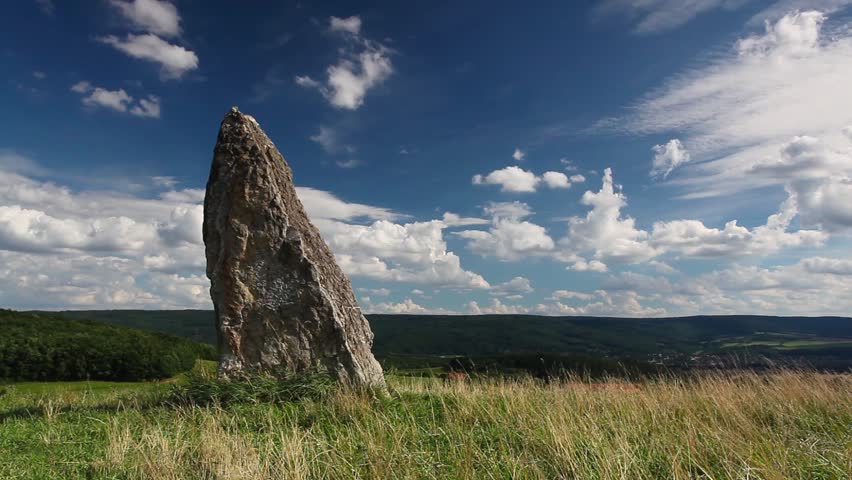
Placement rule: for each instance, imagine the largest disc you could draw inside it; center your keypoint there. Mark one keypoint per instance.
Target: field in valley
(777, 425)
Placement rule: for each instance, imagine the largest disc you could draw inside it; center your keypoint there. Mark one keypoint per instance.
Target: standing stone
(281, 301)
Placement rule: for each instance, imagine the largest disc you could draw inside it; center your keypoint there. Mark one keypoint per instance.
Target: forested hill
(645, 339)
(42, 346)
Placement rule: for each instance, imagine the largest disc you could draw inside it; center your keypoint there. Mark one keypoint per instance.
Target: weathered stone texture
(281, 300)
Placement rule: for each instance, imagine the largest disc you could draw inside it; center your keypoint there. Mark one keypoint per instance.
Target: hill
(40, 346)
(824, 342)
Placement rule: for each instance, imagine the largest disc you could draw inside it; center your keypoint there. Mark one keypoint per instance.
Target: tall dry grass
(777, 426)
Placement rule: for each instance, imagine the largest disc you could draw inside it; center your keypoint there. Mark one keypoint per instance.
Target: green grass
(780, 425)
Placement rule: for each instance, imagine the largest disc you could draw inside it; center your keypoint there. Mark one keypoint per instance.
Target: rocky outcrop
(281, 300)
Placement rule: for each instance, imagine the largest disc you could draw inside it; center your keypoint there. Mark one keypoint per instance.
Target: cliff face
(281, 300)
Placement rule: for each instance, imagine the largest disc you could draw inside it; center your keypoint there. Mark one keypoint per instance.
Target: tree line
(40, 346)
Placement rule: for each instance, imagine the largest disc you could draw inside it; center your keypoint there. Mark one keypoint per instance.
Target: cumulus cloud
(495, 307)
(818, 181)
(517, 180)
(49, 231)
(406, 307)
(516, 285)
(800, 288)
(668, 157)
(117, 100)
(363, 65)
(605, 231)
(509, 237)
(556, 180)
(174, 60)
(511, 179)
(519, 154)
(156, 16)
(606, 235)
(413, 252)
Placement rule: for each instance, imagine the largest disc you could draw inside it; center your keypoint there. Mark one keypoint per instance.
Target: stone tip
(235, 109)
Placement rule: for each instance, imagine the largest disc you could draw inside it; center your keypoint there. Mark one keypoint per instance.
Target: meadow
(784, 424)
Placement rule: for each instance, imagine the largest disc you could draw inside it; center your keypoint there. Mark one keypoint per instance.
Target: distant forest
(824, 342)
(41, 346)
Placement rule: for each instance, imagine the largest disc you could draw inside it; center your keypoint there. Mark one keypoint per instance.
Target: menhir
(282, 303)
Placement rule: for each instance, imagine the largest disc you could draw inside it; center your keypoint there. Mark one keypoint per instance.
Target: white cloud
(655, 16)
(39, 75)
(348, 81)
(693, 239)
(582, 265)
(737, 109)
(793, 35)
(164, 181)
(350, 24)
(624, 303)
(509, 237)
(50, 228)
(350, 163)
(668, 157)
(514, 286)
(117, 100)
(81, 87)
(495, 307)
(577, 178)
(604, 231)
(406, 307)
(156, 16)
(783, 7)
(412, 252)
(835, 266)
(519, 154)
(381, 292)
(811, 286)
(818, 181)
(560, 294)
(147, 107)
(354, 74)
(453, 220)
(321, 204)
(662, 267)
(511, 179)
(305, 81)
(175, 61)
(556, 180)
(517, 180)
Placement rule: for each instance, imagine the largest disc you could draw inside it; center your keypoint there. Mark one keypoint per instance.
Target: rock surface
(281, 300)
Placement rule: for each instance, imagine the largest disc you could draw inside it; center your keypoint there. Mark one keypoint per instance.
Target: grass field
(780, 425)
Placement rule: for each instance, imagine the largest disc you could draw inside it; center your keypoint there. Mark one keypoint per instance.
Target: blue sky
(608, 158)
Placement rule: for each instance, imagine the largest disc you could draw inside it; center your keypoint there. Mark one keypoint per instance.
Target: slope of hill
(40, 346)
(825, 342)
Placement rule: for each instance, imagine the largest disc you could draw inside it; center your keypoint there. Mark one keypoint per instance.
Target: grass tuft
(202, 389)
